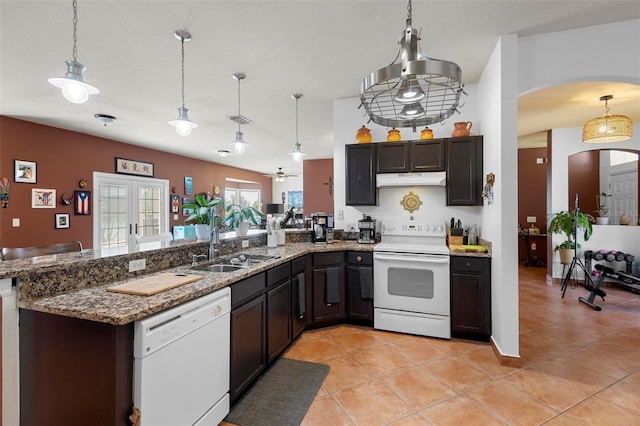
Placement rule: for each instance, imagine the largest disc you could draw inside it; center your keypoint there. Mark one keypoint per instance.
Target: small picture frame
(43, 198)
(175, 203)
(62, 220)
(134, 167)
(82, 202)
(24, 171)
(188, 185)
(186, 211)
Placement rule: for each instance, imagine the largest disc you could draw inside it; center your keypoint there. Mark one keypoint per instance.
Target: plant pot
(203, 232)
(602, 220)
(242, 229)
(566, 255)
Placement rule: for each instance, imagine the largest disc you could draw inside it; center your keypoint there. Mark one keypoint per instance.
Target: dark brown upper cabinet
(464, 171)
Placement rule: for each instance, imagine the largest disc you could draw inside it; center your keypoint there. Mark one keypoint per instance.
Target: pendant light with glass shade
(73, 86)
(239, 144)
(182, 124)
(608, 128)
(296, 153)
(415, 89)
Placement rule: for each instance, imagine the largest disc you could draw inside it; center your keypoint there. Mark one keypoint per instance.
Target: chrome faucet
(195, 257)
(214, 238)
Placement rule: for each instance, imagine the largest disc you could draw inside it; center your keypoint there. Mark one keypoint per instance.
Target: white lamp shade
(73, 86)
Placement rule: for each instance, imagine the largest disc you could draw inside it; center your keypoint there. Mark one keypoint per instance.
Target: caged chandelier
(73, 86)
(182, 124)
(415, 90)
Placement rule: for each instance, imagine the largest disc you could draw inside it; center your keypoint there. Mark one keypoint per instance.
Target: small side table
(536, 238)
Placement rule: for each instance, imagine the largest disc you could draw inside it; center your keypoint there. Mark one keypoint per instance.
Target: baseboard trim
(506, 360)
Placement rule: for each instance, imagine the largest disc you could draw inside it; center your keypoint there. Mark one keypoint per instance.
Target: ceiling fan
(280, 176)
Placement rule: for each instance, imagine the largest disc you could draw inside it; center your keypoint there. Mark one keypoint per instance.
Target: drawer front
(468, 264)
(278, 274)
(360, 258)
(324, 259)
(299, 265)
(247, 289)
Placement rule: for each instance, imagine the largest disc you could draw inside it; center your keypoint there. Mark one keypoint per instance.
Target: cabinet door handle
(359, 259)
(468, 264)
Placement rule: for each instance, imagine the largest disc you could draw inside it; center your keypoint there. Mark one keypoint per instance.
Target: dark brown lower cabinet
(74, 372)
(248, 344)
(278, 319)
(324, 267)
(471, 297)
(359, 308)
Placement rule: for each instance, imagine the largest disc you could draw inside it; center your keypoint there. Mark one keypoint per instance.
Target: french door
(125, 207)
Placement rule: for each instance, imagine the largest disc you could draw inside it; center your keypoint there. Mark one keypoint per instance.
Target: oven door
(412, 282)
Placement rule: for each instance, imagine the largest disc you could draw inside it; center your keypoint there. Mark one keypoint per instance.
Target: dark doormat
(281, 396)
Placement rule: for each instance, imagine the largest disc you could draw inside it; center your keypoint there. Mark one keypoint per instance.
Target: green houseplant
(603, 210)
(564, 223)
(201, 215)
(238, 217)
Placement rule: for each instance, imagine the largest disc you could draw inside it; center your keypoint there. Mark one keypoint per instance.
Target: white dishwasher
(181, 363)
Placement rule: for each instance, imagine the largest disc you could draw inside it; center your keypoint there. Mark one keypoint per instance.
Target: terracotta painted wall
(317, 191)
(532, 196)
(585, 180)
(64, 157)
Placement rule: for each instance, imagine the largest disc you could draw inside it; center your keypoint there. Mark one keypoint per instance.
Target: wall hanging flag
(82, 200)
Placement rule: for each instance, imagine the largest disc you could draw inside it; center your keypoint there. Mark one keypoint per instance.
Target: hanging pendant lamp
(608, 128)
(239, 144)
(296, 153)
(73, 86)
(182, 124)
(415, 90)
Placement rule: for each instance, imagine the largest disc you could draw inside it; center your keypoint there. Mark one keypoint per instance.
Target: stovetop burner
(413, 237)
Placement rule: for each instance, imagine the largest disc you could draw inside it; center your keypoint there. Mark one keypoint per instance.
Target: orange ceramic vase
(461, 128)
(363, 135)
(427, 133)
(394, 135)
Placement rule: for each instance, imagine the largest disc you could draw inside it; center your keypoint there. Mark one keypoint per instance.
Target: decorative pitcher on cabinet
(461, 128)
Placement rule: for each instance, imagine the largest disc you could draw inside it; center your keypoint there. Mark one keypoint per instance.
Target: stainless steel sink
(218, 268)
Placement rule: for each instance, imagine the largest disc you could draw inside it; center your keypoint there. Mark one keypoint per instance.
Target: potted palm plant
(603, 210)
(564, 223)
(238, 218)
(201, 215)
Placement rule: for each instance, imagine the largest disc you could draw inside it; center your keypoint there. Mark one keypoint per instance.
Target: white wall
(566, 142)
(607, 52)
(497, 94)
(289, 184)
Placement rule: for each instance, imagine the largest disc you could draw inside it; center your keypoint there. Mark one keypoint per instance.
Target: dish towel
(366, 282)
(332, 293)
(301, 295)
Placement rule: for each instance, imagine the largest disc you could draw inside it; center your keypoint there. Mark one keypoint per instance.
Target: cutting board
(154, 284)
(469, 248)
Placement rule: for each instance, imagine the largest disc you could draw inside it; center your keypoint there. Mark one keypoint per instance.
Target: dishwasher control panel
(159, 330)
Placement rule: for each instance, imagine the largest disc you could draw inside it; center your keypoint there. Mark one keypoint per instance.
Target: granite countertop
(98, 304)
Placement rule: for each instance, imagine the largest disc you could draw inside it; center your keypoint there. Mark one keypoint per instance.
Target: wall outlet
(137, 265)
(340, 215)
(350, 226)
(245, 243)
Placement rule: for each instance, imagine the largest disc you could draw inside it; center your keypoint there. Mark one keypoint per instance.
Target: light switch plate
(340, 215)
(245, 243)
(137, 265)
(539, 160)
(15, 222)
(531, 219)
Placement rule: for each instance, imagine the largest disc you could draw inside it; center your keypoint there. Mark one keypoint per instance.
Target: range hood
(411, 179)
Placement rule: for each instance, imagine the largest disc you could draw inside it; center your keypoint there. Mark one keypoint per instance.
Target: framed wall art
(134, 167)
(188, 185)
(24, 171)
(82, 202)
(43, 198)
(175, 203)
(62, 220)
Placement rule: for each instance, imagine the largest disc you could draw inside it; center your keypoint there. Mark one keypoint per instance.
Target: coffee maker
(322, 227)
(366, 230)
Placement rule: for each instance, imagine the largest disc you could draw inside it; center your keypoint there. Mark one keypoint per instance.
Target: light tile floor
(579, 366)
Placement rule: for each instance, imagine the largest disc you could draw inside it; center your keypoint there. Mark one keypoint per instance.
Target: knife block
(455, 240)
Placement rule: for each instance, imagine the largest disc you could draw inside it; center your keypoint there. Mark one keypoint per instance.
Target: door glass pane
(250, 197)
(410, 282)
(148, 211)
(113, 215)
